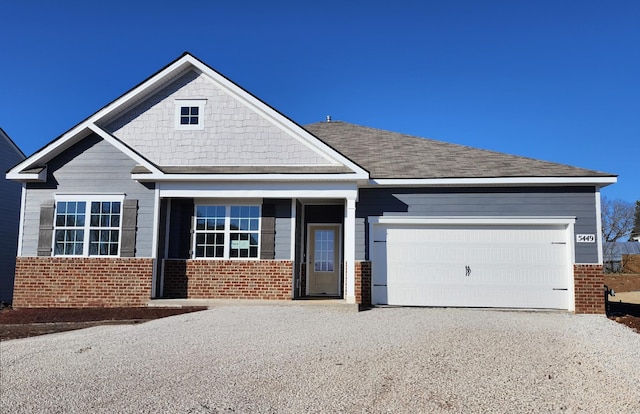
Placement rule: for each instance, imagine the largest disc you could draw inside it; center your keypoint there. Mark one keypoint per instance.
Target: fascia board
(309, 190)
(439, 182)
(160, 177)
(40, 176)
(54, 147)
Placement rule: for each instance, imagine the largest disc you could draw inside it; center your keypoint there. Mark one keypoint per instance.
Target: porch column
(350, 250)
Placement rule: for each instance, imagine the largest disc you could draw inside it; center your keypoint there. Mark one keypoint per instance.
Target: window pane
(95, 207)
(194, 120)
(184, 120)
(194, 110)
(184, 110)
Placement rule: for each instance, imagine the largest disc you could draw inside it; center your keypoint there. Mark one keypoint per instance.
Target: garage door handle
(467, 271)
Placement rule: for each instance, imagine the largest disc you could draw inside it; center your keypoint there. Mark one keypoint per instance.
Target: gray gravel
(294, 359)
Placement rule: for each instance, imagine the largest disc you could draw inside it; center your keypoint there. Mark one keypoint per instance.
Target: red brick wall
(63, 282)
(228, 279)
(589, 288)
(363, 283)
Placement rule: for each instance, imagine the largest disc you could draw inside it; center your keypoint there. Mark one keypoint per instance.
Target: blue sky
(554, 80)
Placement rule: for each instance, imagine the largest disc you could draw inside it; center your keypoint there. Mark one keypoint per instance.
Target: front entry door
(323, 260)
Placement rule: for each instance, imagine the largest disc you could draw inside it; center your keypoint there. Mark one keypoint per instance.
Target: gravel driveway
(295, 359)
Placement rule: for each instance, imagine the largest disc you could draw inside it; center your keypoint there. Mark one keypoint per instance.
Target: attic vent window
(189, 113)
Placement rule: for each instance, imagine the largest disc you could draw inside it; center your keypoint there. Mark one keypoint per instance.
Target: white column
(350, 250)
(154, 241)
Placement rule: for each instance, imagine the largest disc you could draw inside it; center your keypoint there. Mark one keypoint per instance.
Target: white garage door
(471, 266)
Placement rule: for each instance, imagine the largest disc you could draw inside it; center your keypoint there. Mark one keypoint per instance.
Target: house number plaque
(585, 238)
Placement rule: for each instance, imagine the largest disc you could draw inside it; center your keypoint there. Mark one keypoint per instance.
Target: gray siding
(10, 193)
(283, 230)
(361, 251)
(576, 202)
(93, 165)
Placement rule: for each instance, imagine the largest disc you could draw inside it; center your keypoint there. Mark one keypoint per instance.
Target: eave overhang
(155, 177)
(492, 181)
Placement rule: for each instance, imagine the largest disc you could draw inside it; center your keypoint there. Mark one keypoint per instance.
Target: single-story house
(10, 192)
(188, 186)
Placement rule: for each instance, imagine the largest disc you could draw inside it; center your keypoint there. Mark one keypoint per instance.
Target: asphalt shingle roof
(388, 154)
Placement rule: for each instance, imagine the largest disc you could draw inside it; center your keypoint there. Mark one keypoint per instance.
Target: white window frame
(180, 103)
(227, 228)
(87, 199)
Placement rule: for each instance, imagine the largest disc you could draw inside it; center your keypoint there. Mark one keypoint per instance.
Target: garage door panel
(483, 266)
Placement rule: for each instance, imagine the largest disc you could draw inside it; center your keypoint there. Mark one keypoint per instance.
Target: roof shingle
(389, 155)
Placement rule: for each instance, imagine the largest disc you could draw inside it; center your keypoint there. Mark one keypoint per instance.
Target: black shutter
(187, 211)
(268, 232)
(129, 224)
(47, 210)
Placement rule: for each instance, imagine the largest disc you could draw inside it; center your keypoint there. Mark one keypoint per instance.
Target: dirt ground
(626, 314)
(23, 323)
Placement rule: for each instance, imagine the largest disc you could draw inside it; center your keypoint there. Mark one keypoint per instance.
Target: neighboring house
(188, 186)
(622, 257)
(10, 192)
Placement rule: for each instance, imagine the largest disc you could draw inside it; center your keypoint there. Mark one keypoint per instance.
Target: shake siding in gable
(576, 202)
(91, 166)
(233, 133)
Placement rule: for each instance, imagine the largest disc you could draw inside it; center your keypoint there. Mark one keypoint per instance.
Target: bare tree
(635, 232)
(617, 219)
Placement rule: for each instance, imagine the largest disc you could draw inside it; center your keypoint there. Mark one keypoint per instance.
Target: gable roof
(391, 155)
(338, 167)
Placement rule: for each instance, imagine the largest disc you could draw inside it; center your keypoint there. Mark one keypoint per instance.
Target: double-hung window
(90, 227)
(227, 231)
